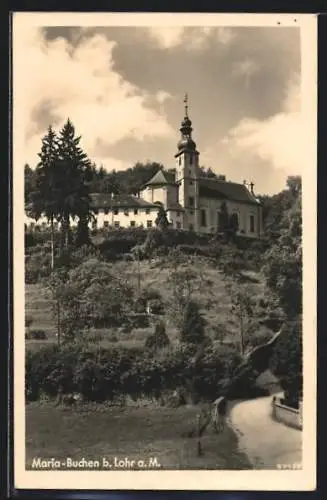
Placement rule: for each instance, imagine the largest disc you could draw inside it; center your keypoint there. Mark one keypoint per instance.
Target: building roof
(162, 177)
(103, 200)
(215, 188)
(175, 206)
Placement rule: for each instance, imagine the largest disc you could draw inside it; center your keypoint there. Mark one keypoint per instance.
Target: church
(192, 202)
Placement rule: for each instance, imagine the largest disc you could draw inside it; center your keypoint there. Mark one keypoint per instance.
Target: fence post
(198, 428)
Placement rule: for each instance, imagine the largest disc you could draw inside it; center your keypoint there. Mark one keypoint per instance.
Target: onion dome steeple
(186, 142)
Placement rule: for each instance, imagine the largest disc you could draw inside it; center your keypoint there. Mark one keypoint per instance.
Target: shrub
(286, 361)
(37, 266)
(158, 339)
(99, 373)
(28, 320)
(156, 306)
(192, 329)
(37, 334)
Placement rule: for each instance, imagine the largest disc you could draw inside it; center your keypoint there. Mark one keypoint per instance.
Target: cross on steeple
(186, 104)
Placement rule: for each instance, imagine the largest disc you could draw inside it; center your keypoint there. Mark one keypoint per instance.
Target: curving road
(266, 442)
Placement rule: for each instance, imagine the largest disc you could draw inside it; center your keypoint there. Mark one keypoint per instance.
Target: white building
(191, 201)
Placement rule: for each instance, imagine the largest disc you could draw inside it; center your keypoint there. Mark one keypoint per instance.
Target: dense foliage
(100, 374)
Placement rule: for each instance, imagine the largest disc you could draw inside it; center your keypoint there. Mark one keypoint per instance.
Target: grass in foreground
(134, 432)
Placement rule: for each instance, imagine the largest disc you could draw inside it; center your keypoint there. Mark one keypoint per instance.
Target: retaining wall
(286, 414)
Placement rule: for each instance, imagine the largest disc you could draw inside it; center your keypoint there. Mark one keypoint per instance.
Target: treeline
(100, 180)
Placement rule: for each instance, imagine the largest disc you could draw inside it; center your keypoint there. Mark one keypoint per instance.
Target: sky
(123, 89)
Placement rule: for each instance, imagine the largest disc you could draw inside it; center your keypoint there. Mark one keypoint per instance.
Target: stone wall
(286, 414)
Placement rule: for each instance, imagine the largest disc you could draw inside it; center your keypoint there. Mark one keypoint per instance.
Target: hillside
(154, 275)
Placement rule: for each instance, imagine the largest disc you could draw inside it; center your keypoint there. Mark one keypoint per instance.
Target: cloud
(55, 79)
(167, 37)
(246, 69)
(197, 38)
(279, 140)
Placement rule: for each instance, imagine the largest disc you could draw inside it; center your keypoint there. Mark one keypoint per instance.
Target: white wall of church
(244, 212)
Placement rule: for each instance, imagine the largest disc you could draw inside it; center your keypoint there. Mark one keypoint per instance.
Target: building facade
(192, 202)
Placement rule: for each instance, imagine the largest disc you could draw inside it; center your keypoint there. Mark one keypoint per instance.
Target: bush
(286, 362)
(99, 373)
(37, 334)
(37, 266)
(158, 339)
(192, 329)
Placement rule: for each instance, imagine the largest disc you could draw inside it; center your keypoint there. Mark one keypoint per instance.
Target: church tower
(187, 173)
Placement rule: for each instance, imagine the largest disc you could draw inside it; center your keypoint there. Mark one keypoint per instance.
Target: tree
(57, 286)
(161, 220)
(45, 196)
(158, 339)
(233, 224)
(29, 182)
(283, 262)
(187, 283)
(75, 173)
(286, 361)
(90, 295)
(283, 271)
(243, 309)
(193, 323)
(223, 219)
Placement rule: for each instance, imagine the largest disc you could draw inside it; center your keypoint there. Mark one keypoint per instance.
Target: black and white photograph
(164, 225)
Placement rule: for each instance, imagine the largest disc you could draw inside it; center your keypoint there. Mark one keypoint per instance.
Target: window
(180, 160)
(191, 212)
(191, 228)
(178, 214)
(191, 160)
(94, 224)
(106, 210)
(149, 223)
(135, 211)
(126, 212)
(190, 172)
(203, 218)
(191, 201)
(251, 223)
(178, 225)
(96, 211)
(147, 210)
(106, 223)
(191, 183)
(132, 223)
(116, 211)
(116, 223)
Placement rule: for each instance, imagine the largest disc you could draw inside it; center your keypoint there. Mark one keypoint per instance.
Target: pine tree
(76, 172)
(223, 218)
(45, 197)
(161, 220)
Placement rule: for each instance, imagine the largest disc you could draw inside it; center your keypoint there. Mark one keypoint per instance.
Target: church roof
(215, 188)
(103, 200)
(161, 178)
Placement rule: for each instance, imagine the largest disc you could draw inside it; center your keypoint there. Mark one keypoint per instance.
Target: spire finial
(186, 104)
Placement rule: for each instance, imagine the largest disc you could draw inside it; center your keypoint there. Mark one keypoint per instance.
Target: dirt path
(267, 443)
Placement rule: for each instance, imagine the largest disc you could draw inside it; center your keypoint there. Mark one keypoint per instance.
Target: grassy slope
(136, 433)
(39, 307)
